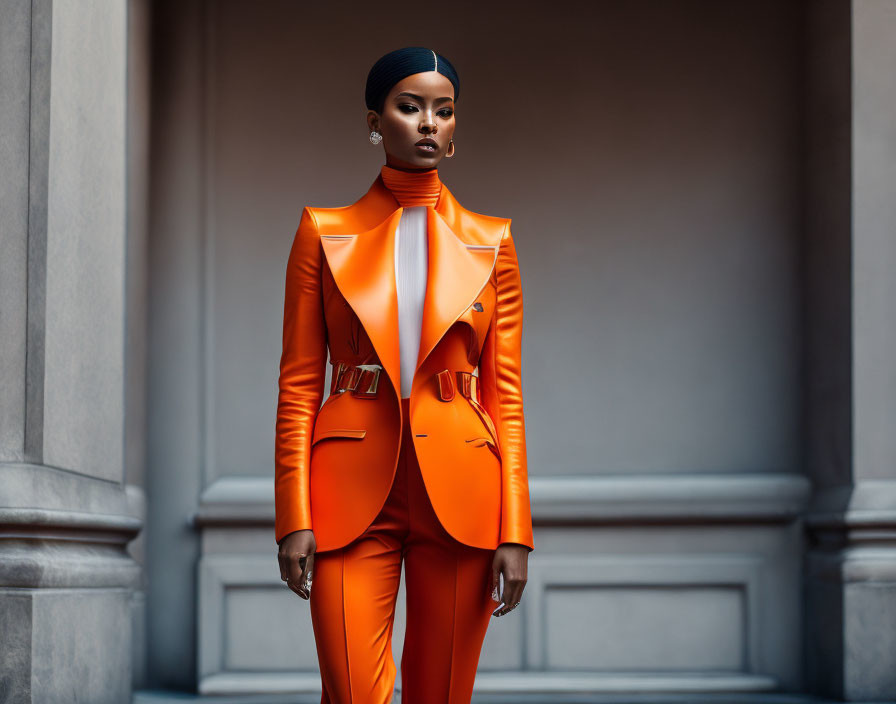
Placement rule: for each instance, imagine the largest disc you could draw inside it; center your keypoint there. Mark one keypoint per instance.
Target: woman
(413, 457)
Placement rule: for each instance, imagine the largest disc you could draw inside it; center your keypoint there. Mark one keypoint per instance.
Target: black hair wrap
(390, 68)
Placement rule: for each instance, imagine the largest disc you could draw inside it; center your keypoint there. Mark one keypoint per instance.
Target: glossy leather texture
(447, 612)
(334, 464)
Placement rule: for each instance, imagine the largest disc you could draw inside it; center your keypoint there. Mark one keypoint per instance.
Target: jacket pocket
(350, 433)
(486, 420)
(479, 442)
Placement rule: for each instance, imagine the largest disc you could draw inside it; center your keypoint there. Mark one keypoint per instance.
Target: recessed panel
(652, 628)
(267, 628)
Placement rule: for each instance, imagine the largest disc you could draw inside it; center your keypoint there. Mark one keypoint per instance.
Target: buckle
(446, 385)
(468, 383)
(338, 371)
(474, 387)
(369, 388)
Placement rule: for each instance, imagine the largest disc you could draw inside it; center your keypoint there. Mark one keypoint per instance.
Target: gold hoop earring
(450, 152)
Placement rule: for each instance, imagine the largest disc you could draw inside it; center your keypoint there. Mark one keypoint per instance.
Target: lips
(427, 144)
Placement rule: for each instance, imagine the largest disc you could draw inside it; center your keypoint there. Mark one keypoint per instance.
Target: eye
(411, 108)
(446, 113)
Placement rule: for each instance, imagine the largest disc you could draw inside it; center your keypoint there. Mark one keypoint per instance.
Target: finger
(298, 590)
(502, 590)
(296, 567)
(309, 567)
(504, 609)
(284, 574)
(513, 592)
(296, 581)
(493, 582)
(307, 578)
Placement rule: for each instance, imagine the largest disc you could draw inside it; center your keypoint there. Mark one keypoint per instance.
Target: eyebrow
(420, 98)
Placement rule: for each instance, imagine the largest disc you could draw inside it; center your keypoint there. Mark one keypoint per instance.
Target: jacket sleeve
(301, 381)
(500, 378)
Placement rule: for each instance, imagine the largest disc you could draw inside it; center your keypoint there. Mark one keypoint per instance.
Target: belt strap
(466, 383)
(361, 379)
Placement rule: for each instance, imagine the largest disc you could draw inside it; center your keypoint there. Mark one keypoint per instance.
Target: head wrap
(401, 63)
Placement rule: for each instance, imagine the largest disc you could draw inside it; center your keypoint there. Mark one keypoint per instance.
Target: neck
(412, 187)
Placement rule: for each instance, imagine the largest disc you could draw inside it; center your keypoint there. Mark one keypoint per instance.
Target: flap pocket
(338, 433)
(479, 442)
(485, 417)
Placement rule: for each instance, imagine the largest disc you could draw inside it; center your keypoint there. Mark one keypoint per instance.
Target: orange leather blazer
(334, 464)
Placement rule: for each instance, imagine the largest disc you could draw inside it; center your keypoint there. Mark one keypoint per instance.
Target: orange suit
(338, 466)
(335, 464)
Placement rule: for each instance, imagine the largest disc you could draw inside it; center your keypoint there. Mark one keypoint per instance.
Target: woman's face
(419, 107)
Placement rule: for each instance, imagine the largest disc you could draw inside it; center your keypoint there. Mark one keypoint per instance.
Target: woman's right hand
(296, 557)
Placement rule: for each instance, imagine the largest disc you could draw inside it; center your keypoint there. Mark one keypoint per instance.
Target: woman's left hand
(511, 560)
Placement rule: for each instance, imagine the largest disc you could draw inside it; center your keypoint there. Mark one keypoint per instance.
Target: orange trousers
(448, 602)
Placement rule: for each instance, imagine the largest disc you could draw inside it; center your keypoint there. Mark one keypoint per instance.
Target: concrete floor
(156, 697)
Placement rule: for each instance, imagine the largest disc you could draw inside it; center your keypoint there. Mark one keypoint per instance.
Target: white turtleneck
(411, 259)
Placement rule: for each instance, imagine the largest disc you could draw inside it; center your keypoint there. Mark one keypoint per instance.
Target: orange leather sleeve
(302, 377)
(500, 377)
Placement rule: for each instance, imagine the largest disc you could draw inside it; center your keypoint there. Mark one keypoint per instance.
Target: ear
(373, 120)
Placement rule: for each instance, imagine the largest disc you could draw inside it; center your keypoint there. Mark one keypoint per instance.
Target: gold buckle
(468, 383)
(474, 387)
(374, 369)
(339, 370)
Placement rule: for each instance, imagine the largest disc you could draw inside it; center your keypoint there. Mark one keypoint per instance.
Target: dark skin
(420, 105)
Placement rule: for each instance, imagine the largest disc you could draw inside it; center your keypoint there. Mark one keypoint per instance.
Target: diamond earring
(450, 152)
(375, 137)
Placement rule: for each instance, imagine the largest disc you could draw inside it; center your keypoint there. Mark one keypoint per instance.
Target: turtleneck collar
(412, 187)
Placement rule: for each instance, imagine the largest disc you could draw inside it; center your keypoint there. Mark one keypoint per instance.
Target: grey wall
(174, 369)
(850, 581)
(137, 294)
(86, 235)
(67, 584)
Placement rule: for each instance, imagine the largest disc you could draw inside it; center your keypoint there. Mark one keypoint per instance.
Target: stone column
(66, 517)
(851, 402)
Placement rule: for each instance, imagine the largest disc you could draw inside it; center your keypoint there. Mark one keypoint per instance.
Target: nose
(428, 125)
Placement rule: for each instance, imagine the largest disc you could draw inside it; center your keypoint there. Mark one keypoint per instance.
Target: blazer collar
(363, 267)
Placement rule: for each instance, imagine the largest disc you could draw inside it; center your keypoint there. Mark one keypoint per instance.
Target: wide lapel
(363, 267)
(457, 272)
